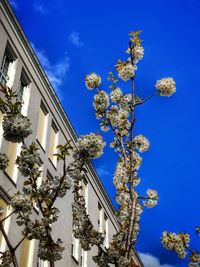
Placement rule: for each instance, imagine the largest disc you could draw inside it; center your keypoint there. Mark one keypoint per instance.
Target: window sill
(53, 164)
(74, 259)
(40, 145)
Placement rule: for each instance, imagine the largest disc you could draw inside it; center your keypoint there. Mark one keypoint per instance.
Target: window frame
(11, 56)
(42, 143)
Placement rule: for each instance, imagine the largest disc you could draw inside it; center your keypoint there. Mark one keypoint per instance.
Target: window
(106, 240)
(7, 210)
(3, 205)
(83, 258)
(75, 247)
(100, 218)
(1, 128)
(53, 143)
(42, 263)
(42, 126)
(27, 253)
(23, 92)
(7, 71)
(12, 151)
(84, 192)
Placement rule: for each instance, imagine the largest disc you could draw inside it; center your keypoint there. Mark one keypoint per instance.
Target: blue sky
(73, 38)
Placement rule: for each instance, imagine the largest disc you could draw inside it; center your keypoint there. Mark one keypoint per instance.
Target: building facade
(21, 70)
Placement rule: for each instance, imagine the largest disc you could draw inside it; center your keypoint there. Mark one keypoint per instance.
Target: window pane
(3, 205)
(25, 253)
(42, 125)
(11, 153)
(53, 145)
(4, 70)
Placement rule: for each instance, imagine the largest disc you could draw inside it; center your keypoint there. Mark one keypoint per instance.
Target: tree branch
(145, 100)
(7, 216)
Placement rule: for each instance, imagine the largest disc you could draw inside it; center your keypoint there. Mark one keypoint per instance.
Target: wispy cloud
(55, 72)
(101, 170)
(151, 261)
(14, 4)
(74, 38)
(38, 7)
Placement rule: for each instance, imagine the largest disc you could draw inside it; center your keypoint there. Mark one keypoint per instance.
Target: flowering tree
(180, 243)
(116, 112)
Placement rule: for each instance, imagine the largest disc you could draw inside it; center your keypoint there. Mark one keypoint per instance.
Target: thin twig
(145, 100)
(7, 216)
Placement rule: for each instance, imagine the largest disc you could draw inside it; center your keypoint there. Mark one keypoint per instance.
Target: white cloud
(101, 170)
(14, 4)
(40, 8)
(151, 261)
(74, 38)
(55, 72)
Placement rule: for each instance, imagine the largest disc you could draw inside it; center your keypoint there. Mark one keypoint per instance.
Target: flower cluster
(32, 229)
(195, 259)
(92, 81)
(83, 228)
(29, 160)
(6, 259)
(137, 52)
(22, 203)
(91, 146)
(121, 174)
(136, 228)
(16, 127)
(177, 242)
(3, 161)
(166, 86)
(116, 95)
(152, 198)
(125, 70)
(100, 103)
(58, 184)
(125, 102)
(141, 143)
(50, 250)
(137, 160)
(118, 118)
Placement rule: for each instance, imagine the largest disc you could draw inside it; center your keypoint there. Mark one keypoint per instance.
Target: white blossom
(166, 86)
(22, 203)
(16, 127)
(151, 203)
(92, 81)
(137, 52)
(105, 128)
(177, 242)
(153, 194)
(100, 103)
(116, 95)
(127, 72)
(91, 145)
(125, 102)
(141, 143)
(29, 160)
(50, 251)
